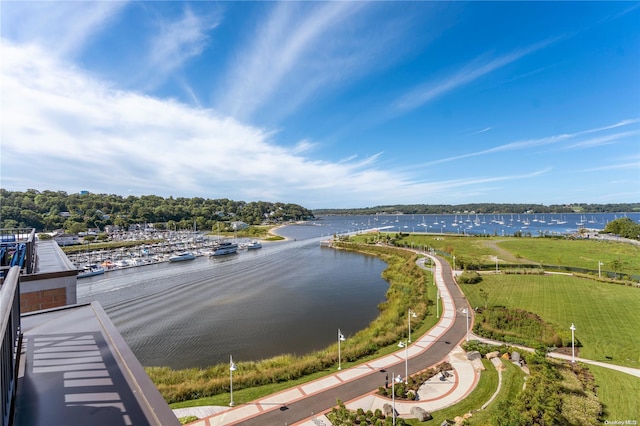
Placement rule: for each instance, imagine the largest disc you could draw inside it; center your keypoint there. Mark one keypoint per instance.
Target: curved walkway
(357, 385)
(628, 370)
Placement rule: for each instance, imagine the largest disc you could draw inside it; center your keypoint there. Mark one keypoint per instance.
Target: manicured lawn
(618, 392)
(616, 257)
(512, 381)
(605, 315)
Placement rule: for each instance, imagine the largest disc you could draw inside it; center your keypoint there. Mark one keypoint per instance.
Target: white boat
(178, 257)
(254, 245)
(91, 271)
(224, 248)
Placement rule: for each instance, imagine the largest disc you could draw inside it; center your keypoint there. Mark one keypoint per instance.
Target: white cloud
(61, 28)
(178, 41)
(72, 132)
(303, 50)
(549, 140)
(429, 91)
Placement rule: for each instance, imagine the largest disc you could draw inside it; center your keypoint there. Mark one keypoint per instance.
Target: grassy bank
(408, 289)
(618, 393)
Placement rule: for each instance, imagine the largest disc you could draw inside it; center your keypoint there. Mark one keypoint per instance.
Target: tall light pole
(340, 339)
(393, 397)
(232, 368)
(410, 314)
(405, 345)
(437, 303)
(600, 270)
(573, 351)
(466, 312)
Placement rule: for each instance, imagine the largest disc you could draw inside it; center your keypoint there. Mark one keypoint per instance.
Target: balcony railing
(11, 341)
(18, 248)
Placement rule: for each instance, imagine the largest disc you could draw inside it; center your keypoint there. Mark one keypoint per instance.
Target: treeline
(624, 227)
(483, 208)
(50, 210)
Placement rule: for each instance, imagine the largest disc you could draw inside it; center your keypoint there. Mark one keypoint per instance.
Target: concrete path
(623, 369)
(356, 386)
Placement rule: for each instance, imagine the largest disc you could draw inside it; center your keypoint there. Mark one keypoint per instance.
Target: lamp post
(454, 263)
(232, 368)
(410, 314)
(599, 269)
(438, 303)
(573, 353)
(466, 312)
(340, 339)
(393, 397)
(405, 345)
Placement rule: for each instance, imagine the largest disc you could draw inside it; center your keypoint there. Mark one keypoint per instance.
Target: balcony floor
(76, 369)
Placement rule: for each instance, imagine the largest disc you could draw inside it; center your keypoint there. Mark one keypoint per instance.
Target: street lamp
(340, 339)
(437, 303)
(599, 270)
(405, 345)
(466, 312)
(454, 263)
(232, 368)
(410, 314)
(393, 397)
(573, 353)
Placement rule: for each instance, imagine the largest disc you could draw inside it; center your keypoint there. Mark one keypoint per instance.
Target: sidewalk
(628, 370)
(434, 396)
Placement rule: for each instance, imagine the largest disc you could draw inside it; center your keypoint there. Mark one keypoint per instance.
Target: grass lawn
(605, 315)
(512, 381)
(616, 257)
(618, 392)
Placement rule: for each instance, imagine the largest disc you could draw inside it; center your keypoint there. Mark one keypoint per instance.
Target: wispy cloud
(275, 51)
(429, 91)
(63, 28)
(178, 41)
(549, 140)
(601, 140)
(306, 49)
(486, 129)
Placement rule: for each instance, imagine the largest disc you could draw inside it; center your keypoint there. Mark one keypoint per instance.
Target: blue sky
(324, 104)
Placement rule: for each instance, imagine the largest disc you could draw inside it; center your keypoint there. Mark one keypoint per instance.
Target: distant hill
(483, 208)
(50, 210)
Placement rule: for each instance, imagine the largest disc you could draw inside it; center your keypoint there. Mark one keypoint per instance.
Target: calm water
(288, 297)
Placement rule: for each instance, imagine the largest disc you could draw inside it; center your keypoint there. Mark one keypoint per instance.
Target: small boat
(91, 271)
(224, 248)
(179, 257)
(254, 245)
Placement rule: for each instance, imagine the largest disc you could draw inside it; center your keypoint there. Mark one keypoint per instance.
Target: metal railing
(11, 341)
(12, 239)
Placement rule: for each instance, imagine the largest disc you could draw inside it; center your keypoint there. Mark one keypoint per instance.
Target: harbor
(195, 244)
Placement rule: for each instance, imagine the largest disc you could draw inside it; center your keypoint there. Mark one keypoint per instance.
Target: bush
(469, 277)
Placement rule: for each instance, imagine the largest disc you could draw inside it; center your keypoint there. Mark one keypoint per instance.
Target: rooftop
(75, 368)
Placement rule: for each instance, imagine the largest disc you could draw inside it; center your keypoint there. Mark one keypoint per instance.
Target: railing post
(11, 341)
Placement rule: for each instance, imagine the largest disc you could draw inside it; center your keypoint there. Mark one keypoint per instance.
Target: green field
(618, 392)
(616, 257)
(605, 315)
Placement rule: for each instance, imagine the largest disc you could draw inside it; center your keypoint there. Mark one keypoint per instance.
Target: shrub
(469, 277)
